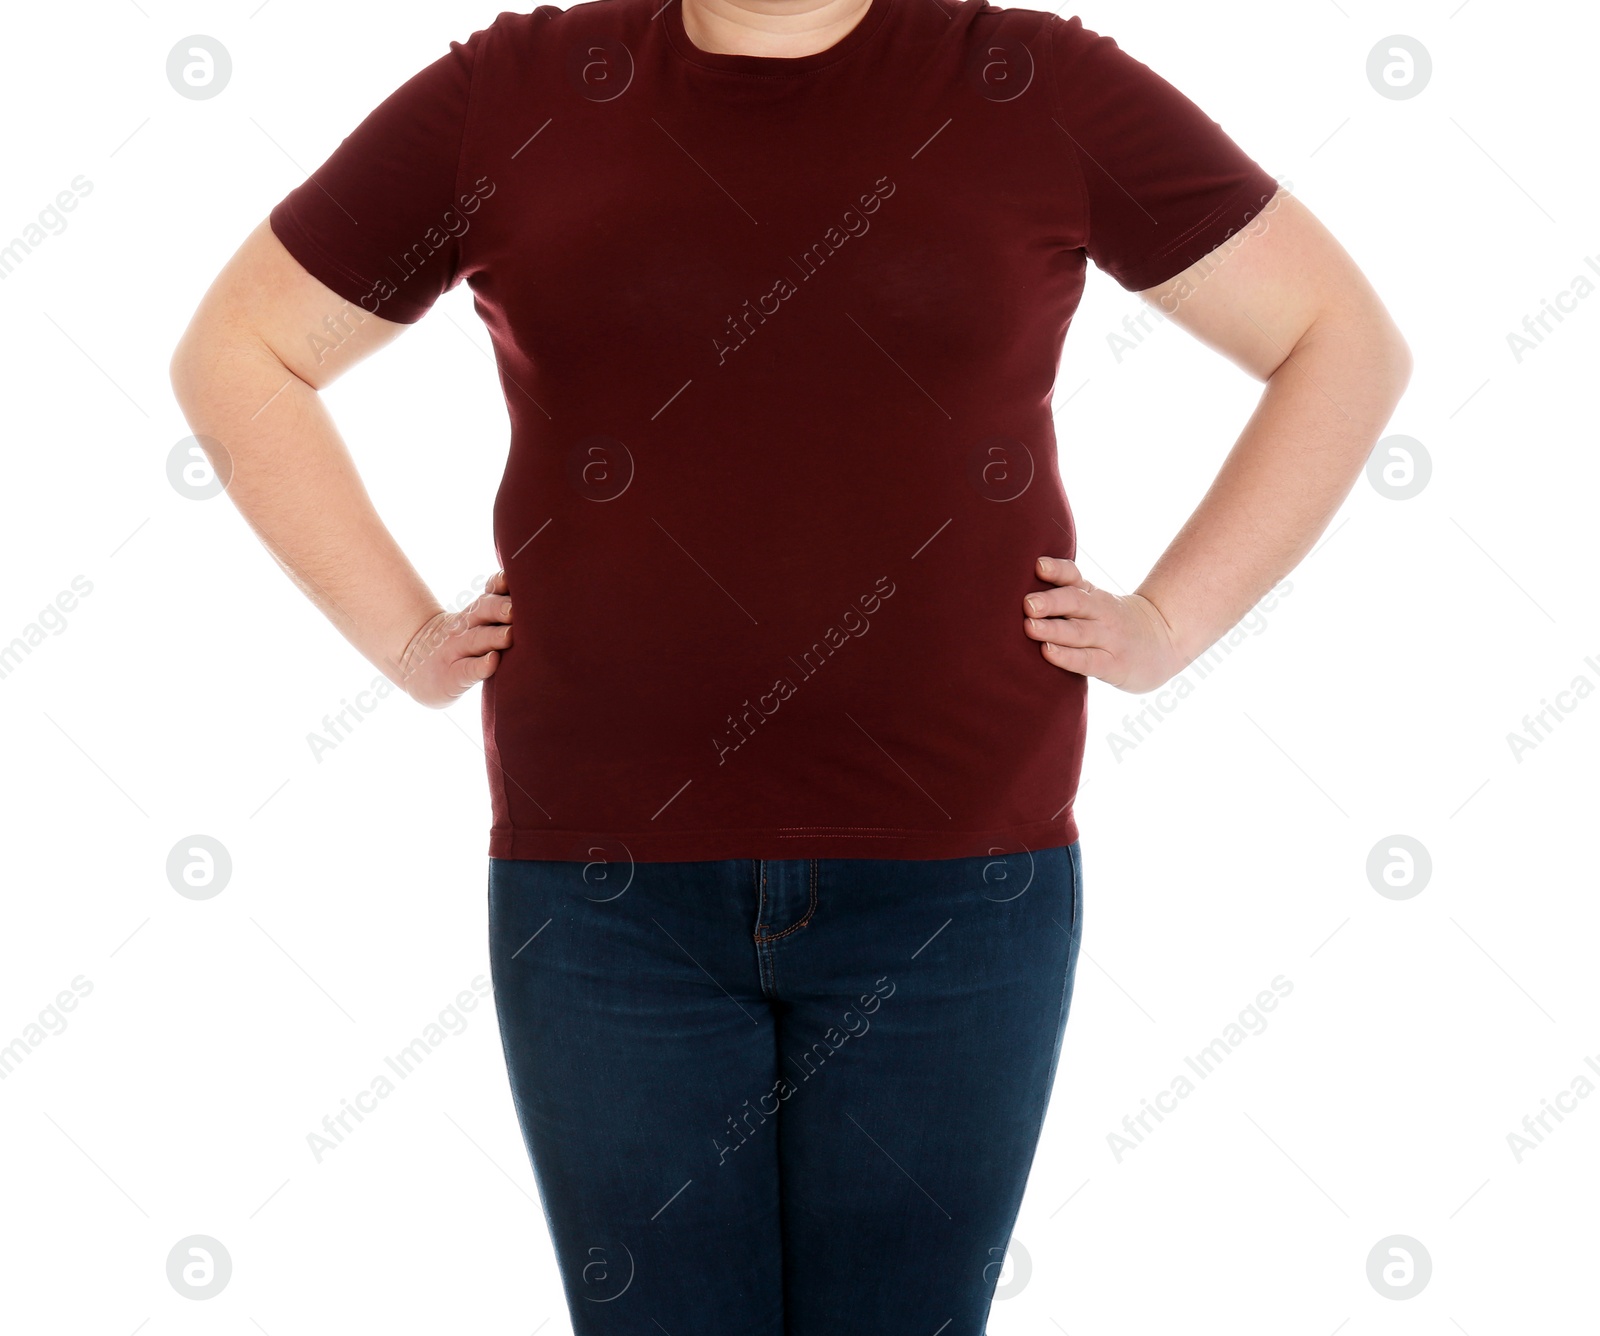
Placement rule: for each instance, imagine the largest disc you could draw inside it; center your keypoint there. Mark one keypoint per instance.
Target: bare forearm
(294, 482)
(1290, 470)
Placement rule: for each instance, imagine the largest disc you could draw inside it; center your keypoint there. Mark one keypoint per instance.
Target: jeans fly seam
(802, 920)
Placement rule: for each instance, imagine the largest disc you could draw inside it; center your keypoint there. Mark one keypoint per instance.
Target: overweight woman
(784, 670)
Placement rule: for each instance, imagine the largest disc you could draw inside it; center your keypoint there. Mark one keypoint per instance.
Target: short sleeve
(1165, 185)
(383, 221)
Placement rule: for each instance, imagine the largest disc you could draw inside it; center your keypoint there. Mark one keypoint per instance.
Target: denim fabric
(783, 1097)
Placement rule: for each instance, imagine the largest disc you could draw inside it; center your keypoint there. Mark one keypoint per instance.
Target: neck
(783, 28)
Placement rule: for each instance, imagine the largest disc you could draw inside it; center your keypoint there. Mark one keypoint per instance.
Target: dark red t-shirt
(778, 338)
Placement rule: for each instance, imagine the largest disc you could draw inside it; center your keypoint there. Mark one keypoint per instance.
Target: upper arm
(367, 243)
(265, 298)
(1176, 210)
(1262, 291)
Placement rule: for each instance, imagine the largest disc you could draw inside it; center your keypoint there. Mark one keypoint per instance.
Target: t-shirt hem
(779, 842)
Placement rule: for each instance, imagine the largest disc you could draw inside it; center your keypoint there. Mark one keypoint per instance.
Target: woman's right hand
(453, 650)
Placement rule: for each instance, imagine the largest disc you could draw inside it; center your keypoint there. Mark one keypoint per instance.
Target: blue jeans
(792, 1097)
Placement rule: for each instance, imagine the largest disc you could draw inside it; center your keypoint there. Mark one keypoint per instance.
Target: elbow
(1388, 354)
(1397, 364)
(186, 369)
(1397, 358)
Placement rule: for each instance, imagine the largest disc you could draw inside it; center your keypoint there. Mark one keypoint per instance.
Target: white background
(1229, 848)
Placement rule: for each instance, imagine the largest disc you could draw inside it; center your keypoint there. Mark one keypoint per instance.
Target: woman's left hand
(1121, 639)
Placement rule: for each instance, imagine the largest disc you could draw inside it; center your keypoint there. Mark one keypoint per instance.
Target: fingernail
(1035, 603)
(505, 611)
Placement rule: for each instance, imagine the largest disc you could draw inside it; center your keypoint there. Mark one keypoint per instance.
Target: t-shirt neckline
(737, 63)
